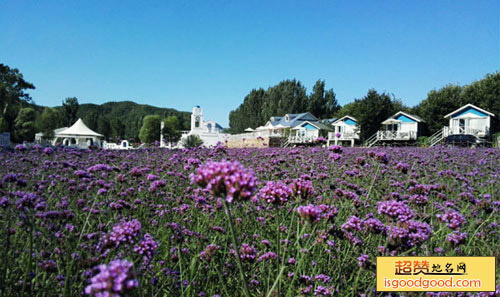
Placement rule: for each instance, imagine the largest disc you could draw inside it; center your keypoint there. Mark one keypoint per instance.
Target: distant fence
(5, 139)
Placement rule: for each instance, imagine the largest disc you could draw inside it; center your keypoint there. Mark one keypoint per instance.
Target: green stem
(3, 285)
(278, 252)
(246, 291)
(180, 268)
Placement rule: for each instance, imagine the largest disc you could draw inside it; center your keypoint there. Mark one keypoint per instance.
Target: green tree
(150, 130)
(289, 96)
(4, 127)
(117, 128)
(372, 110)
(70, 109)
(317, 101)
(50, 119)
(438, 104)
(104, 127)
(192, 141)
(12, 94)
(171, 132)
(485, 94)
(24, 125)
(332, 105)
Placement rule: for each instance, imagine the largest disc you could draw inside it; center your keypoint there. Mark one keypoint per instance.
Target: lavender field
(237, 222)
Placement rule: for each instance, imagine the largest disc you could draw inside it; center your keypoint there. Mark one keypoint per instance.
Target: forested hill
(124, 118)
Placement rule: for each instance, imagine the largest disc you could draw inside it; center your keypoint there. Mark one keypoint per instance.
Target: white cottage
(470, 121)
(400, 128)
(345, 130)
(308, 132)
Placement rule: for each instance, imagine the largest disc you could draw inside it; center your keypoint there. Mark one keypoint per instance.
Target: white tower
(197, 118)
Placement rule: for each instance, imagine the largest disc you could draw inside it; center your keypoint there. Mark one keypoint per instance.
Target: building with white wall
(209, 131)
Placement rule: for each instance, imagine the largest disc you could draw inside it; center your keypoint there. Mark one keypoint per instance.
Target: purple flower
(403, 167)
(323, 291)
(363, 260)
(112, 280)
(151, 177)
(81, 173)
(99, 167)
(275, 192)
(352, 224)
(395, 209)
(209, 252)
(382, 157)
(320, 140)
(123, 232)
(335, 148)
(157, 184)
(453, 219)
(456, 238)
(302, 187)
(4, 202)
(247, 252)
(229, 179)
(48, 266)
(102, 191)
(323, 278)
(418, 232)
(48, 151)
(9, 178)
(410, 234)
(373, 225)
(334, 156)
(267, 256)
(310, 213)
(146, 248)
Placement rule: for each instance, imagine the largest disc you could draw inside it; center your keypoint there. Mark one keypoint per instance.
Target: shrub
(423, 141)
(192, 141)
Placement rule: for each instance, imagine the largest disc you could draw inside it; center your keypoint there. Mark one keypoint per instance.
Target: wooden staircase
(438, 137)
(372, 140)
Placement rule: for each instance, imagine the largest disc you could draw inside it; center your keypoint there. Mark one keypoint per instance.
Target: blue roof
(405, 119)
(471, 110)
(294, 119)
(348, 121)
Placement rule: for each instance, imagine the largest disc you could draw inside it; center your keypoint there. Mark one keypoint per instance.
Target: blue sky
(212, 53)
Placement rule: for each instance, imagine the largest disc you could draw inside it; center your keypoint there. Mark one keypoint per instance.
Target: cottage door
(462, 126)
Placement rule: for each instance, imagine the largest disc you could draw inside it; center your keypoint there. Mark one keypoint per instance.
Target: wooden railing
(342, 136)
(390, 135)
(454, 130)
(396, 135)
(301, 139)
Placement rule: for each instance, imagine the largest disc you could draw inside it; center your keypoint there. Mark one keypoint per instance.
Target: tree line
(115, 120)
(290, 96)
(131, 121)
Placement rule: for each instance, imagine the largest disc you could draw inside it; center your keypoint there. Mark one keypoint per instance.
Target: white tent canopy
(78, 129)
